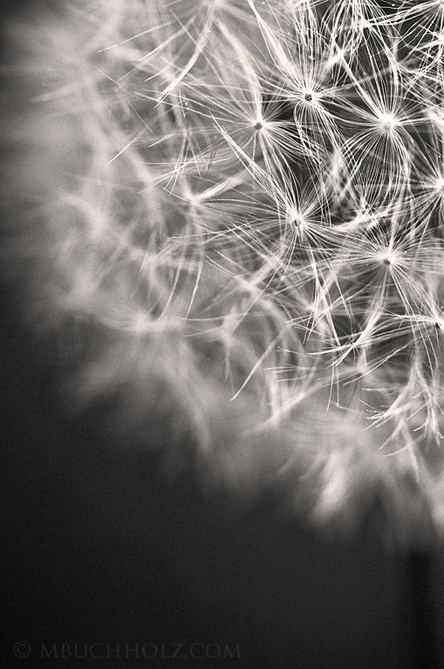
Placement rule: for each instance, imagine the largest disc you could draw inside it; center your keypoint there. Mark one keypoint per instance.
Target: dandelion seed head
(299, 221)
(388, 122)
(438, 185)
(258, 199)
(311, 96)
(296, 218)
(389, 257)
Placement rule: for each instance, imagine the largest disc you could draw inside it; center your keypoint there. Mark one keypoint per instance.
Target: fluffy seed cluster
(244, 202)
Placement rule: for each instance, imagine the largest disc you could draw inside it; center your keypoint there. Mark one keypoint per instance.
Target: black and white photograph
(222, 333)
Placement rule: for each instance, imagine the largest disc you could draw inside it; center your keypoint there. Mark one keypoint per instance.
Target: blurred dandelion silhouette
(245, 202)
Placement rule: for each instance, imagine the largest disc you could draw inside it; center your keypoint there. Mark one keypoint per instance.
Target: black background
(102, 547)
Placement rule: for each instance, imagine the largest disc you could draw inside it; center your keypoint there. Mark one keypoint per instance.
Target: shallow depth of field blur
(241, 204)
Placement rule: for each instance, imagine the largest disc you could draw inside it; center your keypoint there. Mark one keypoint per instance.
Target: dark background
(101, 546)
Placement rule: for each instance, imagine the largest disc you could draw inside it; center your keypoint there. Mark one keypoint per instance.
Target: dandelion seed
(249, 197)
(388, 122)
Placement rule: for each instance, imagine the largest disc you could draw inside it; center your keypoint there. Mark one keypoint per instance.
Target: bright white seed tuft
(244, 202)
